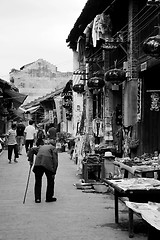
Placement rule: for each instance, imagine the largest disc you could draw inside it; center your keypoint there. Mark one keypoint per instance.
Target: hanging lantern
(79, 88)
(151, 46)
(95, 83)
(115, 75)
(4, 112)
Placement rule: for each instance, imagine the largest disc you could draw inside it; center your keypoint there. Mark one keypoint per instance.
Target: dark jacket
(47, 157)
(20, 129)
(52, 133)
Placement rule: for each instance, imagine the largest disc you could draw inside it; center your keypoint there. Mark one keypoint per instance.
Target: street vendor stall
(150, 213)
(92, 167)
(139, 190)
(140, 168)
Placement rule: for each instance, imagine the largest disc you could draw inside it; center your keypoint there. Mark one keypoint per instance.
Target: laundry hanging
(97, 127)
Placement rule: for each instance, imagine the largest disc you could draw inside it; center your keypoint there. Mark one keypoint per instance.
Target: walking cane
(27, 184)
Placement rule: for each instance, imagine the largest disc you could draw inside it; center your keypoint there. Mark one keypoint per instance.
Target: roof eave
(89, 12)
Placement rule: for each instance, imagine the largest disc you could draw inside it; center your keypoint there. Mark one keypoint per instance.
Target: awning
(32, 109)
(18, 112)
(18, 98)
(76, 77)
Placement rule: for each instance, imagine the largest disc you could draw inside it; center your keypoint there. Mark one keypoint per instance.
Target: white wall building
(38, 78)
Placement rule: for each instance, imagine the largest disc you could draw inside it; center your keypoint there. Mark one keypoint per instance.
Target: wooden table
(140, 170)
(136, 190)
(150, 213)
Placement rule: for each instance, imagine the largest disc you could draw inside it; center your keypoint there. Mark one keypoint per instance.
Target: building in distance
(38, 78)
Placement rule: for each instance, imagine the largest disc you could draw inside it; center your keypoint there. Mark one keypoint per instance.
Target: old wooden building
(116, 46)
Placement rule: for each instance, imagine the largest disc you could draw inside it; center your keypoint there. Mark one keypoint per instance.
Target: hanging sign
(110, 45)
(51, 117)
(155, 104)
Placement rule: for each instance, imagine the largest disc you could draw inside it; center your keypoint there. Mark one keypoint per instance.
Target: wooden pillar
(130, 86)
(108, 100)
(88, 108)
(132, 37)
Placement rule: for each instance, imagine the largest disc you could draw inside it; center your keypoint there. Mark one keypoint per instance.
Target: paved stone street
(76, 215)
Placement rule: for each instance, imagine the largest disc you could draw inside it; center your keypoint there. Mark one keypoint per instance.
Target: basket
(100, 188)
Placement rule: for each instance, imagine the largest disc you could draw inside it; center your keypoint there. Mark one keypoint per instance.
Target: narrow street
(76, 215)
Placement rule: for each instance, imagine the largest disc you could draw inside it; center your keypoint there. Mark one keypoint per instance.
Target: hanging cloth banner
(58, 103)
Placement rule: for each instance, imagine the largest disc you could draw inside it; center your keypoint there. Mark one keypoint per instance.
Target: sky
(34, 29)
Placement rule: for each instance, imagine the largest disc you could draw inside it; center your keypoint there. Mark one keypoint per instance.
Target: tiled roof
(41, 99)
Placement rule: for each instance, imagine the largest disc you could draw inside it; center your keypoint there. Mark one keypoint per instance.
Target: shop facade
(121, 89)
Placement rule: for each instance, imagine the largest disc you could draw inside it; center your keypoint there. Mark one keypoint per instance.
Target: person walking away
(20, 136)
(12, 143)
(30, 135)
(71, 147)
(52, 132)
(40, 136)
(46, 161)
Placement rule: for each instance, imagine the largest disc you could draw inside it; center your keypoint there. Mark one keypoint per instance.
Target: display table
(150, 213)
(136, 190)
(140, 170)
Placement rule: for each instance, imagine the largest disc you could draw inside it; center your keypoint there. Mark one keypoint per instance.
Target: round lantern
(151, 46)
(115, 75)
(4, 112)
(95, 83)
(79, 88)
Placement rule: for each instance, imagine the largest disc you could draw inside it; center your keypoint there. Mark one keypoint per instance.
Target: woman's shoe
(37, 201)
(9, 161)
(15, 161)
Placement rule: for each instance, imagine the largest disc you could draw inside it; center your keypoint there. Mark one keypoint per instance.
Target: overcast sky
(33, 29)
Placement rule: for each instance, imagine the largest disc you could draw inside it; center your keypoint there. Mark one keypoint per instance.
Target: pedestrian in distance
(52, 132)
(20, 136)
(71, 146)
(29, 135)
(40, 136)
(46, 161)
(12, 143)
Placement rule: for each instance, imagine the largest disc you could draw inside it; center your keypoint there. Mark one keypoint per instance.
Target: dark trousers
(10, 151)
(28, 144)
(39, 171)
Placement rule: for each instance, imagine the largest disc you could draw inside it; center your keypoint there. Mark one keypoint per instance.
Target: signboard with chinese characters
(51, 117)
(155, 100)
(155, 104)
